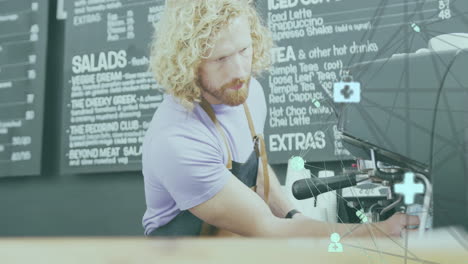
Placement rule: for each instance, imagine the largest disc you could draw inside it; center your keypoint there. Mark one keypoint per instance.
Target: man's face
(225, 75)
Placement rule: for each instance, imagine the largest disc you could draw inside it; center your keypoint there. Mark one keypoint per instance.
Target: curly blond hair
(187, 30)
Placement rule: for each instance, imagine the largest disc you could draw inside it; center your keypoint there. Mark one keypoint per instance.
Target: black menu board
(110, 95)
(317, 40)
(23, 41)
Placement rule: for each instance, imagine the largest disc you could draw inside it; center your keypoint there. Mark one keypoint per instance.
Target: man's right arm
(238, 209)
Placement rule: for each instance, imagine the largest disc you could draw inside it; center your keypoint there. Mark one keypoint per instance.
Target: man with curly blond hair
(204, 154)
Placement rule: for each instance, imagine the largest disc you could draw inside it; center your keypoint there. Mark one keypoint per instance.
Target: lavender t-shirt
(184, 155)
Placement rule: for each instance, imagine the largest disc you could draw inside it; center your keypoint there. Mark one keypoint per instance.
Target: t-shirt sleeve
(192, 168)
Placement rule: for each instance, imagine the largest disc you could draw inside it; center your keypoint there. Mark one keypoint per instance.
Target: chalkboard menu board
(109, 94)
(316, 41)
(23, 40)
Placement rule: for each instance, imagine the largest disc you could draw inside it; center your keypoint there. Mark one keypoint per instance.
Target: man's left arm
(278, 201)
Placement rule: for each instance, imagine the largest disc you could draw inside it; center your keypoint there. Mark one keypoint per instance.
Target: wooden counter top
(444, 247)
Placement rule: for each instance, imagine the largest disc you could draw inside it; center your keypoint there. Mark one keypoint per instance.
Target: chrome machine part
(375, 216)
(426, 203)
(392, 205)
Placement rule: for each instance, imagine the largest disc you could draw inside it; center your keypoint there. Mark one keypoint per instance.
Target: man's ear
(197, 80)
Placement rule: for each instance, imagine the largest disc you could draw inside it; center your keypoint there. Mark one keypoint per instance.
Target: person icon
(335, 246)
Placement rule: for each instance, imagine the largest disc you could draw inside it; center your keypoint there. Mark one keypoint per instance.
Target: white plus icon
(408, 188)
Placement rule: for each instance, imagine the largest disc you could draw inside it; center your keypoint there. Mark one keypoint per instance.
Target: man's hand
(394, 225)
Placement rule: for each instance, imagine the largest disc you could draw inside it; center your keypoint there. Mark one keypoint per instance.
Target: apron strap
(209, 110)
(263, 155)
(266, 175)
(249, 119)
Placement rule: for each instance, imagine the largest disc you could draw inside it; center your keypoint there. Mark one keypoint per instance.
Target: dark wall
(52, 204)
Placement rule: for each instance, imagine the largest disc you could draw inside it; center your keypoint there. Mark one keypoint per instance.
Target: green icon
(316, 103)
(408, 188)
(362, 216)
(335, 245)
(415, 27)
(297, 163)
